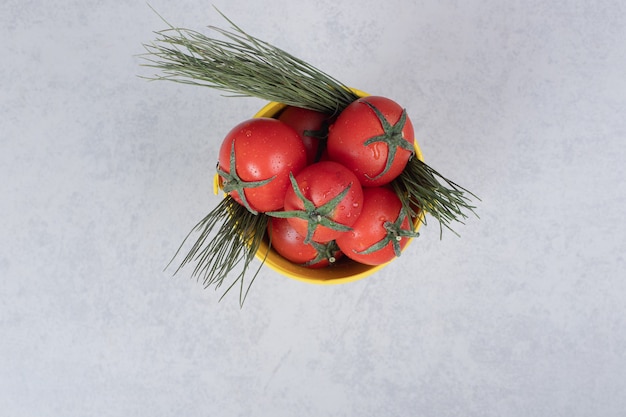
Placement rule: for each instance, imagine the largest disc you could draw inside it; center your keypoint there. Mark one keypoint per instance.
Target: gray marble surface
(103, 174)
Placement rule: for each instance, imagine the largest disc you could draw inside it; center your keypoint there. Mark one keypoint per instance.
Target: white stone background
(103, 174)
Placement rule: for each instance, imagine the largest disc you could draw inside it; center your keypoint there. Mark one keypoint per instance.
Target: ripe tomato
(290, 245)
(325, 199)
(373, 137)
(381, 231)
(312, 126)
(264, 152)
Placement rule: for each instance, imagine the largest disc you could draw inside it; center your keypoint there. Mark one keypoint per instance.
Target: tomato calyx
(232, 181)
(394, 235)
(325, 251)
(322, 136)
(314, 216)
(392, 137)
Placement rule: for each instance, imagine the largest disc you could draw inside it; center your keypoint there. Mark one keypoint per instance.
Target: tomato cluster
(324, 180)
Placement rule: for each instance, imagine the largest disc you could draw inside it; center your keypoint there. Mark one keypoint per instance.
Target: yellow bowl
(344, 270)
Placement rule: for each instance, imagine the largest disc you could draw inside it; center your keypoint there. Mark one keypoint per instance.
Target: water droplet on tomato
(376, 150)
(355, 205)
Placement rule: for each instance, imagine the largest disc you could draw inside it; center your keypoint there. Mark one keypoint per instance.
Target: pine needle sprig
(421, 187)
(228, 236)
(243, 65)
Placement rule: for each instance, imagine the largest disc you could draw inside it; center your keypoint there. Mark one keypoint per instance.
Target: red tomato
(312, 126)
(380, 232)
(324, 201)
(290, 245)
(264, 151)
(373, 137)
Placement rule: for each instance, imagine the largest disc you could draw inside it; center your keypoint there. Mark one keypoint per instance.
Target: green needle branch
(243, 65)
